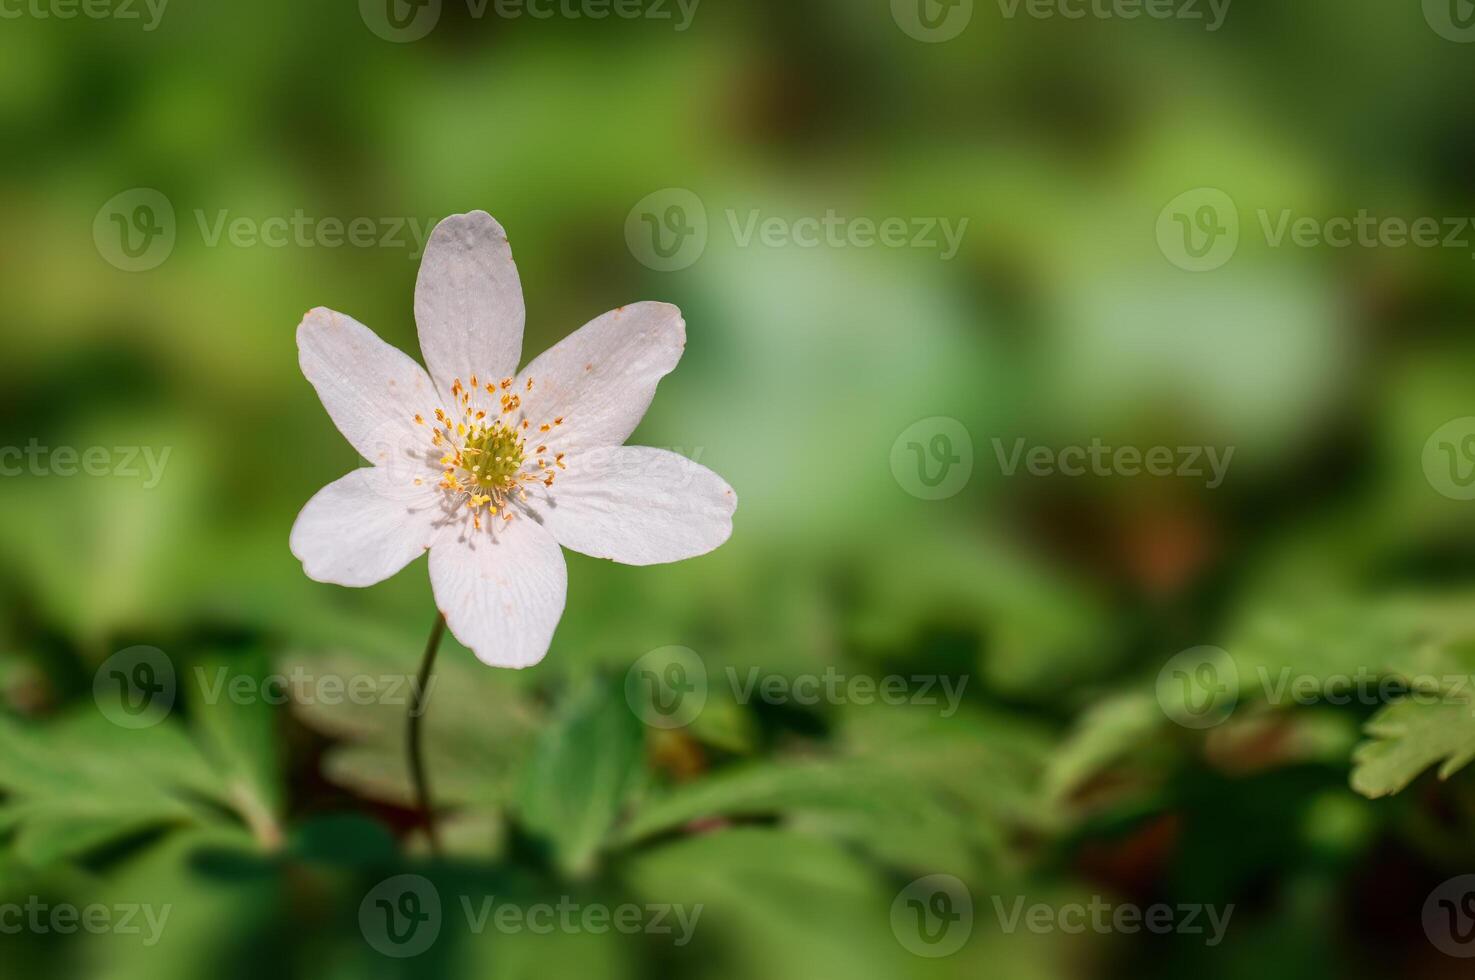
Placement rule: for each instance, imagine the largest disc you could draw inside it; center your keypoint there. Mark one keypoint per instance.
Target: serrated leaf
(990, 762)
(1426, 640)
(81, 782)
(1408, 737)
(910, 788)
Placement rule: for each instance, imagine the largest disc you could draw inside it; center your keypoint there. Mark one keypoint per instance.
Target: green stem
(417, 710)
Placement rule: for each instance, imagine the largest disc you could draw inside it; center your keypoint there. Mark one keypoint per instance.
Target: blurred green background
(1064, 317)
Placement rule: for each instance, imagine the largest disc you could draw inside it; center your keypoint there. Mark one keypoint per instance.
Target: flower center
(495, 454)
(486, 460)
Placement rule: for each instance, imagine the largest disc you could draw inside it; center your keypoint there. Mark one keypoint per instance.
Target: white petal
(501, 589)
(364, 527)
(637, 505)
(371, 390)
(468, 302)
(602, 377)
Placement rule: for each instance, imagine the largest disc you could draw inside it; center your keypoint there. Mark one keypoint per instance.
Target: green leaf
(909, 787)
(1409, 737)
(190, 923)
(586, 763)
(82, 782)
(1105, 733)
(238, 736)
(988, 762)
(1339, 634)
(764, 789)
(476, 726)
(775, 904)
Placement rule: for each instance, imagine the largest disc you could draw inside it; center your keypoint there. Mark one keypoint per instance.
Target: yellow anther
(485, 461)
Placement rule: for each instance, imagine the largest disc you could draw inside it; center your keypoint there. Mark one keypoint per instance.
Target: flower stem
(417, 710)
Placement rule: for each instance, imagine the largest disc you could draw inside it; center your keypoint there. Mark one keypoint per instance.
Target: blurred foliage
(1326, 552)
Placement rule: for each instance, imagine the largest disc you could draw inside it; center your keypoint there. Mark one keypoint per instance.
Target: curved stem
(417, 710)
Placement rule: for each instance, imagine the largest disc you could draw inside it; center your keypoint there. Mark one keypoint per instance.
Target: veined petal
(601, 378)
(362, 528)
(501, 589)
(371, 390)
(468, 302)
(637, 506)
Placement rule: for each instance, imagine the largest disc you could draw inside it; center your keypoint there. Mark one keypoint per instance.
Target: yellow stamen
(487, 463)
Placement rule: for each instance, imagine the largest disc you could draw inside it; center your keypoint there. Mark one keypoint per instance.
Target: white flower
(491, 470)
